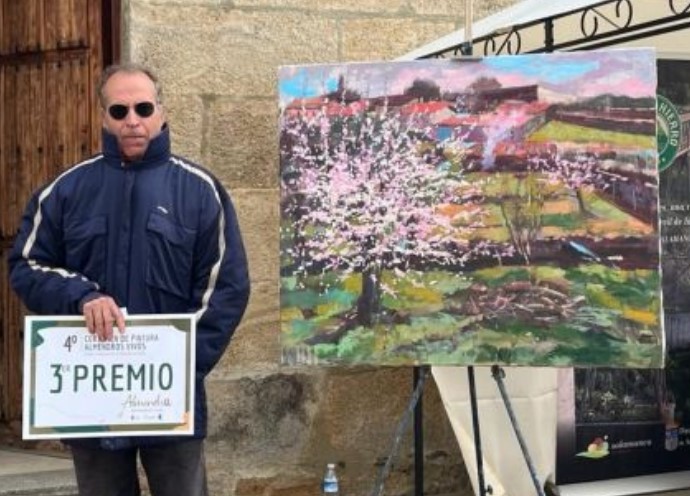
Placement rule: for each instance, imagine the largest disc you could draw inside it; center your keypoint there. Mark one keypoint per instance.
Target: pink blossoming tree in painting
(579, 172)
(364, 194)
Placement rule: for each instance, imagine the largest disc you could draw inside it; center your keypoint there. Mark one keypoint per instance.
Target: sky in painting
(623, 72)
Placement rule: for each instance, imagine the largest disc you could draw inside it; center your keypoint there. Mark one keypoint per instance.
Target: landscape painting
(499, 210)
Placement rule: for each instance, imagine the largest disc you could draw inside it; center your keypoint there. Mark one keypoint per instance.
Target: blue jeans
(173, 469)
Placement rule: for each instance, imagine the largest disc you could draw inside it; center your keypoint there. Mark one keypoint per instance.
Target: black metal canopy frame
(603, 24)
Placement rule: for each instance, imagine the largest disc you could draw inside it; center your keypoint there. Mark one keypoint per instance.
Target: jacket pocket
(86, 246)
(170, 255)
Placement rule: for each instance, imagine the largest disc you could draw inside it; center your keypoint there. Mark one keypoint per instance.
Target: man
(136, 228)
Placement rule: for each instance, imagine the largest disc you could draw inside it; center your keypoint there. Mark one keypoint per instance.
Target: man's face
(132, 112)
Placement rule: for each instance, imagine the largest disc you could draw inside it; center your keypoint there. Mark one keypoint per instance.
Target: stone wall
(273, 428)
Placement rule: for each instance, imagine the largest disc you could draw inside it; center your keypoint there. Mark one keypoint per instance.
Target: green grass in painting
(561, 131)
(496, 184)
(603, 209)
(566, 221)
(606, 284)
(306, 298)
(326, 351)
(499, 276)
(424, 291)
(422, 317)
(599, 332)
(428, 328)
(561, 218)
(357, 345)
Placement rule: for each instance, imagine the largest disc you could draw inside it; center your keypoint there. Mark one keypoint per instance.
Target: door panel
(51, 53)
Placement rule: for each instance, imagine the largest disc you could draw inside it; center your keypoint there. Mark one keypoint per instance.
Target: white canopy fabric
(522, 12)
(533, 395)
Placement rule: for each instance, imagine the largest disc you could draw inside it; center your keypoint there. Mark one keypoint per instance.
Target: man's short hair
(130, 68)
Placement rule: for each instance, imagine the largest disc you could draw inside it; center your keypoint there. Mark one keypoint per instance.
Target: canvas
(498, 210)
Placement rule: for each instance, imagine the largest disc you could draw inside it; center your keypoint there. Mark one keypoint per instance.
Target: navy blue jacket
(159, 236)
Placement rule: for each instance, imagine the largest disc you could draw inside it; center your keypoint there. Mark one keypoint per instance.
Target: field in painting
(466, 227)
(509, 314)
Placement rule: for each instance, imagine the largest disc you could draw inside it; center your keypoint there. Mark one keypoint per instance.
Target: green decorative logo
(667, 131)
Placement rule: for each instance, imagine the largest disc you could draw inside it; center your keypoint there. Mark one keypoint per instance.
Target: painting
(498, 210)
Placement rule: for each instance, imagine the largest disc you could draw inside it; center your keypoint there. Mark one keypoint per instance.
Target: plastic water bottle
(330, 481)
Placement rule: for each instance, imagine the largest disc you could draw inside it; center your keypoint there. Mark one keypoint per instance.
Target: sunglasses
(142, 109)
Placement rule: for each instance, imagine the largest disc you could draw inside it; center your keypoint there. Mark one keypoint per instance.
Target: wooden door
(51, 53)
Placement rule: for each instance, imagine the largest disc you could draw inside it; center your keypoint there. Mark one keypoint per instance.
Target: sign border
(184, 322)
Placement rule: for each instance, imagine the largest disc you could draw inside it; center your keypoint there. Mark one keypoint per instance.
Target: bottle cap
(331, 465)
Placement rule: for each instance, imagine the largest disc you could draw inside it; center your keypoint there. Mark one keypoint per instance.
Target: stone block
(256, 343)
(360, 409)
(451, 9)
(262, 423)
(486, 8)
(173, 3)
(221, 474)
(341, 6)
(455, 11)
(278, 486)
(258, 213)
(185, 115)
(225, 51)
(242, 144)
(385, 39)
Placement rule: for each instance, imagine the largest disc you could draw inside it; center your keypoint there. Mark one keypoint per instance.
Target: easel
(420, 374)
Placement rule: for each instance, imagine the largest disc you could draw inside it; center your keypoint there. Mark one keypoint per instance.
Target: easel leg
(418, 373)
(400, 430)
(498, 375)
(483, 490)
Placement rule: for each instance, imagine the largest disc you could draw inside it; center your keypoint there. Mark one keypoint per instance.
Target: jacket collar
(157, 153)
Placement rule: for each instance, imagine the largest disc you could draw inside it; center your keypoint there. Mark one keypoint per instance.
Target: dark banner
(627, 423)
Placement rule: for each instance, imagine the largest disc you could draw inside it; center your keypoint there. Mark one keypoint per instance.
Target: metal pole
(498, 375)
(397, 438)
(548, 35)
(483, 490)
(466, 48)
(477, 434)
(418, 436)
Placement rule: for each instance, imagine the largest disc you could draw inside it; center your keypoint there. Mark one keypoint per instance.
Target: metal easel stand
(483, 489)
(498, 374)
(413, 407)
(414, 410)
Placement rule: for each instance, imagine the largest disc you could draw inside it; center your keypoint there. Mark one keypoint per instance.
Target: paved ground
(28, 473)
(14, 462)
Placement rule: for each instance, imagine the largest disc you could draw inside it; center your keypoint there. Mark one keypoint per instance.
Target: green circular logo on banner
(667, 131)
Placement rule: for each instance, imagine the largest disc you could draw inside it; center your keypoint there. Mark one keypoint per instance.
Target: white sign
(139, 383)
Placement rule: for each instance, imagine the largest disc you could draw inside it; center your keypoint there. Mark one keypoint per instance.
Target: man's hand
(100, 314)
